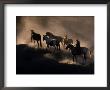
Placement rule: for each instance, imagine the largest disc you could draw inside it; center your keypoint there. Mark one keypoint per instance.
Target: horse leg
(34, 41)
(84, 59)
(54, 49)
(47, 46)
(38, 43)
(59, 46)
(73, 58)
(90, 54)
(31, 38)
(62, 44)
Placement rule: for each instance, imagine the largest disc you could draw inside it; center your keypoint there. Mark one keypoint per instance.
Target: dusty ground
(31, 60)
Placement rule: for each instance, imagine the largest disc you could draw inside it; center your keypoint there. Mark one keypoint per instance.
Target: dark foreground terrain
(41, 61)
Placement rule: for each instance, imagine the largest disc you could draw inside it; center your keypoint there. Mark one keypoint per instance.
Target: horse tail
(40, 43)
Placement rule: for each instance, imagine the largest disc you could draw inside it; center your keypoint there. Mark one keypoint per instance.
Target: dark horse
(51, 42)
(36, 37)
(68, 41)
(51, 35)
(75, 52)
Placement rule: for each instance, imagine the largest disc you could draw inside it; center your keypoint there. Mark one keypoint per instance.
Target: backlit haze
(76, 27)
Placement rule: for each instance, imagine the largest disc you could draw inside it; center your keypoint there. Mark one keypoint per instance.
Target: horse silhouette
(36, 37)
(51, 35)
(68, 41)
(51, 42)
(75, 52)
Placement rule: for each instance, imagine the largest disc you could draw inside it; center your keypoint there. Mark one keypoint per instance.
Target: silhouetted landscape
(33, 61)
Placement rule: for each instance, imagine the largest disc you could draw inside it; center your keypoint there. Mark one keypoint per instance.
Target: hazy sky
(76, 27)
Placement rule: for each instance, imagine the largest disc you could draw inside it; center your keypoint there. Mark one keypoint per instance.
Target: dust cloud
(76, 27)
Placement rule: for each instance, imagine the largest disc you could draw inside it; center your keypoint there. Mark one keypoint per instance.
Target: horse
(75, 52)
(36, 37)
(68, 41)
(51, 42)
(51, 35)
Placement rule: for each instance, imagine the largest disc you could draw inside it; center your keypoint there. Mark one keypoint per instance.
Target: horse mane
(49, 34)
(54, 36)
(33, 32)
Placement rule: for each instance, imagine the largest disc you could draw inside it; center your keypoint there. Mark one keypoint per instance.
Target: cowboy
(78, 46)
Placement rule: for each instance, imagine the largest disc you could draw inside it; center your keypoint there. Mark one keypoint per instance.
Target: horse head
(45, 37)
(31, 34)
(70, 46)
(32, 31)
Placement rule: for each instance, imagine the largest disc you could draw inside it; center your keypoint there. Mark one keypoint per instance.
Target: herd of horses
(51, 40)
(54, 41)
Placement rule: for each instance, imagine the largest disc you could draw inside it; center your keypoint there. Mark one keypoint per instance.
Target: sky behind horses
(76, 27)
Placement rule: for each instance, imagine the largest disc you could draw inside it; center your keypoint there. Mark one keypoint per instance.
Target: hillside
(42, 61)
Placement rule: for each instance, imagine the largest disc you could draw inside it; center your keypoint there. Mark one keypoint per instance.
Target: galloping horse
(51, 42)
(36, 37)
(59, 38)
(74, 51)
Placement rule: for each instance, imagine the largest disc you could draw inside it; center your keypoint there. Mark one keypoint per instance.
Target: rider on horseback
(78, 46)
